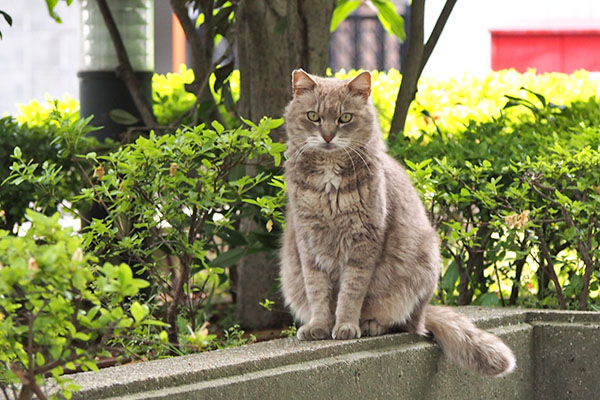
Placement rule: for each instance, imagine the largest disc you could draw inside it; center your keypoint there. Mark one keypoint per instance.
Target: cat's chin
(329, 147)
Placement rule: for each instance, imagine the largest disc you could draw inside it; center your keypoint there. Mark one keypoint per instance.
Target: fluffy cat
(359, 255)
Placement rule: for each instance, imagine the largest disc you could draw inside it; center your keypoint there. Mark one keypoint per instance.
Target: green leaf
(39, 359)
(70, 365)
(341, 12)
(222, 73)
(450, 277)
(154, 322)
(228, 258)
(389, 18)
(541, 98)
(51, 4)
(163, 336)
(488, 300)
(218, 127)
(7, 17)
(248, 122)
(124, 274)
(138, 311)
(275, 123)
(122, 117)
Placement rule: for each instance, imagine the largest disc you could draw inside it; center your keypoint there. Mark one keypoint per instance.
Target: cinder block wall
(557, 358)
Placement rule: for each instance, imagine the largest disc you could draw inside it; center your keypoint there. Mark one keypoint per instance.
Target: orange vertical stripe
(178, 40)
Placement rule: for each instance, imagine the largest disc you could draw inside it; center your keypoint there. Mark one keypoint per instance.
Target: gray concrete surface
(557, 358)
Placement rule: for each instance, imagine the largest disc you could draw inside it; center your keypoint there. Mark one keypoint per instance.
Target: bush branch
(549, 269)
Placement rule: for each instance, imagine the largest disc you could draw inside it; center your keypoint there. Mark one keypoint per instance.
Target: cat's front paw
(345, 330)
(314, 331)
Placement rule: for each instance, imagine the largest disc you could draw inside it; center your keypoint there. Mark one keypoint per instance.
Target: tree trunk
(273, 38)
(411, 68)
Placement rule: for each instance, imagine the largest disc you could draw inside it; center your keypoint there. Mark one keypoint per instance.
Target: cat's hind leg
(376, 318)
(371, 327)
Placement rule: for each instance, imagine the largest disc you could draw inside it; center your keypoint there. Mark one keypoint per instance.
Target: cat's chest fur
(330, 189)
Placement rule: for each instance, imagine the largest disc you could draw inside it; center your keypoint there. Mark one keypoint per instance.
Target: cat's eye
(313, 116)
(345, 118)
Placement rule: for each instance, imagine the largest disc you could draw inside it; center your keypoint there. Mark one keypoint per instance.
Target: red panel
(546, 51)
(581, 52)
(522, 52)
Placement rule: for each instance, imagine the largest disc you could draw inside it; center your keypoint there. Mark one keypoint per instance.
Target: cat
(359, 255)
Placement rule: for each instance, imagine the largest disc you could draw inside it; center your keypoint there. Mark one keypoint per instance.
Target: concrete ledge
(557, 357)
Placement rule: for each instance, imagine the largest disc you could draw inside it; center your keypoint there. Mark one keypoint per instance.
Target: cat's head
(328, 114)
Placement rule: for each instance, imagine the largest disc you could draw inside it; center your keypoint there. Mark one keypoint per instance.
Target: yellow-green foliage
(450, 103)
(453, 102)
(171, 99)
(37, 114)
(169, 95)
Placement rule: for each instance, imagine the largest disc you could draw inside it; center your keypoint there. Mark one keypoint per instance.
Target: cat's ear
(361, 85)
(302, 82)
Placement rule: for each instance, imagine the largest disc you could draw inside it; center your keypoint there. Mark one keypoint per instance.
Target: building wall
(465, 44)
(38, 56)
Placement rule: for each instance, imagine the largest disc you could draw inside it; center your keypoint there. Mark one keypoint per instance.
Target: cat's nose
(328, 138)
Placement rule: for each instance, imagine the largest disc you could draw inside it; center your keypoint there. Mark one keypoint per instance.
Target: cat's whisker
(303, 149)
(351, 160)
(361, 157)
(361, 145)
(298, 153)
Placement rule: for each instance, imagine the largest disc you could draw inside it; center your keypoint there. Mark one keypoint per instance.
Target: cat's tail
(466, 345)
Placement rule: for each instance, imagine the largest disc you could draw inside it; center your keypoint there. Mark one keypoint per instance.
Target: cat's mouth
(328, 146)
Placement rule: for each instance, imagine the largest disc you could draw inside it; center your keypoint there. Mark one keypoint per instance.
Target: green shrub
(58, 307)
(515, 201)
(46, 135)
(173, 205)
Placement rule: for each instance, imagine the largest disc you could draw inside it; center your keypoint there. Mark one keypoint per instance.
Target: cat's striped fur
(359, 255)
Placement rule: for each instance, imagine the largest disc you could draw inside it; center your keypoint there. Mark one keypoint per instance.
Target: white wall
(38, 56)
(465, 44)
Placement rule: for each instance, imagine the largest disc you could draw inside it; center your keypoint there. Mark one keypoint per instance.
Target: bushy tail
(466, 345)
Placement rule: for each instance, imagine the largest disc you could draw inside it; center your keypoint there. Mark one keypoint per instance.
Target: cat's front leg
(354, 282)
(318, 286)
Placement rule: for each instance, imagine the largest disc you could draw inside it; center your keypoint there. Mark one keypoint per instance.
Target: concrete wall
(557, 358)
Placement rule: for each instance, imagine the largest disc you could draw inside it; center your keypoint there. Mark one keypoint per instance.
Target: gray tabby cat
(359, 255)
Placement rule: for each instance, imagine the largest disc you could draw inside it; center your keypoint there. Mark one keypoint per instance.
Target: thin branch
(581, 245)
(549, 269)
(180, 10)
(125, 70)
(436, 32)
(499, 285)
(587, 260)
(514, 293)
